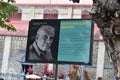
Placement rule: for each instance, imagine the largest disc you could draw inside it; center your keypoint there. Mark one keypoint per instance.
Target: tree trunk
(106, 13)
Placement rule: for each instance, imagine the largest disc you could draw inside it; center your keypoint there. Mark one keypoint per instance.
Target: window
(46, 14)
(50, 14)
(85, 14)
(54, 14)
(16, 16)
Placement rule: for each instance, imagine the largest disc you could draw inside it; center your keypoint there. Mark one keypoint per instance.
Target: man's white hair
(47, 28)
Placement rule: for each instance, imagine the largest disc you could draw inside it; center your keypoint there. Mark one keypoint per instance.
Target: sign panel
(75, 41)
(42, 41)
(60, 41)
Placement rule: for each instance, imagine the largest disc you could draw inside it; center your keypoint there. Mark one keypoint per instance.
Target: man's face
(44, 40)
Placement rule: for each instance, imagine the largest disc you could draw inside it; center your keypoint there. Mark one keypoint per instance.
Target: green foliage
(7, 9)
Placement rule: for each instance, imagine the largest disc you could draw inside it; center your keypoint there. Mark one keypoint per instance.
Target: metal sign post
(56, 68)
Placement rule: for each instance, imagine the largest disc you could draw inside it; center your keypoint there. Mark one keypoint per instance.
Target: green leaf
(7, 9)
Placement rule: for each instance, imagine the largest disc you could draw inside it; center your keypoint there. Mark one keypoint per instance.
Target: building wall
(64, 12)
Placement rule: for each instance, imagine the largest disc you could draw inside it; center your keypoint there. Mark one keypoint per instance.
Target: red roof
(21, 27)
(22, 30)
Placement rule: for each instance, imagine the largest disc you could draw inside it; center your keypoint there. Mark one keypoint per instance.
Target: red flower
(99, 78)
(76, 66)
(49, 72)
(62, 75)
(73, 73)
(73, 70)
(86, 75)
(30, 70)
(69, 73)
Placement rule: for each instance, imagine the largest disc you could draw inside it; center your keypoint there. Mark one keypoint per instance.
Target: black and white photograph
(42, 45)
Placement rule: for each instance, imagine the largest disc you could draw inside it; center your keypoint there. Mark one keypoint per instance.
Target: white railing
(9, 76)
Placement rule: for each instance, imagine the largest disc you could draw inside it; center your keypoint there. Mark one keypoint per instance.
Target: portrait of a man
(40, 49)
(42, 43)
